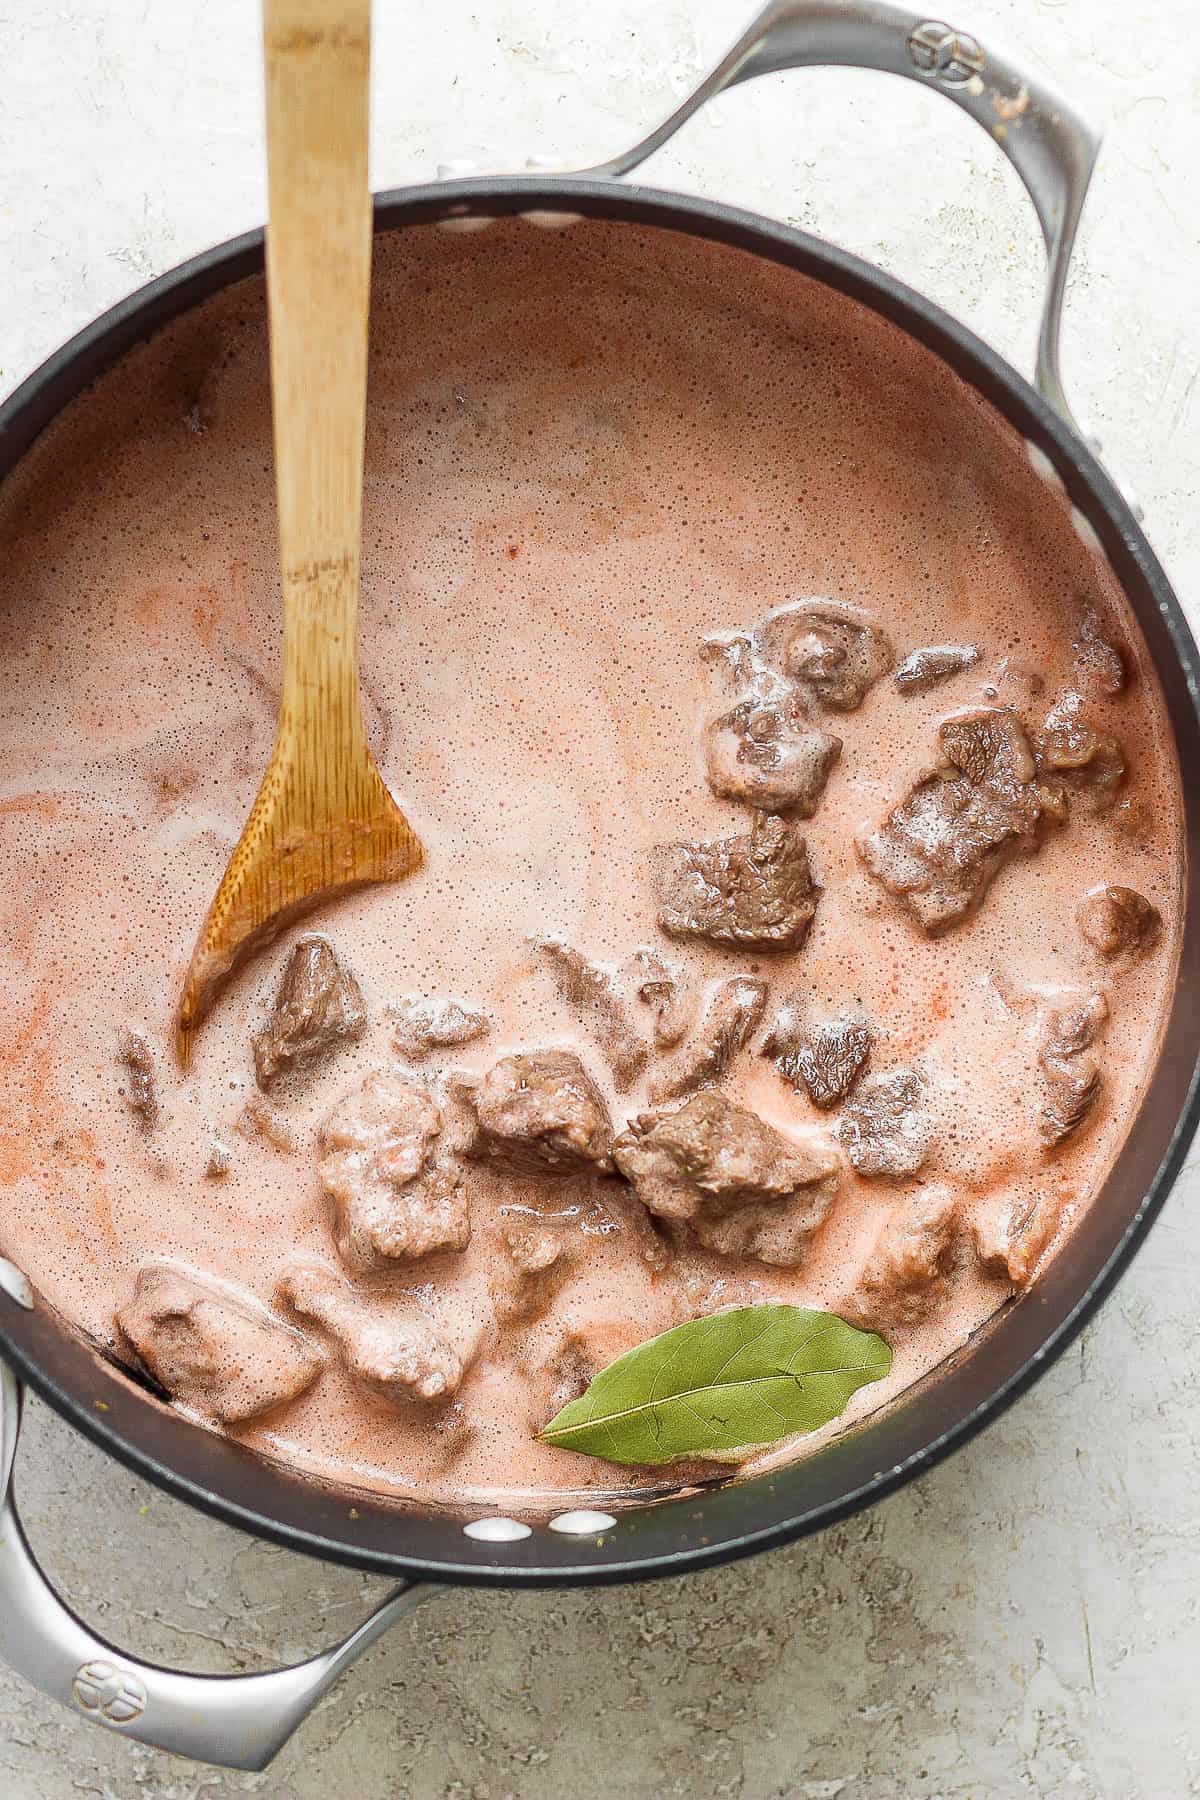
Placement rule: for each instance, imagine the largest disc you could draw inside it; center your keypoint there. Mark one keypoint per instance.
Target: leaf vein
(777, 1398)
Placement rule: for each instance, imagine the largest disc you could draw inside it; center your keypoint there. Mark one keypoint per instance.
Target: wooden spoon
(323, 821)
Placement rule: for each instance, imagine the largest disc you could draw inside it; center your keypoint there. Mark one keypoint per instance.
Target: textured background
(1026, 1619)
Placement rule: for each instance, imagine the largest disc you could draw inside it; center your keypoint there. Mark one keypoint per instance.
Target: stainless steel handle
(1051, 146)
(236, 1721)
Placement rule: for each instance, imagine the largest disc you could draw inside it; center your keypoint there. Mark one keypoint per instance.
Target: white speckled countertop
(1027, 1618)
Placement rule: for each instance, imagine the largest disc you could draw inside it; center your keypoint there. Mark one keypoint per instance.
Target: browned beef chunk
(258, 1121)
(1085, 761)
(392, 1201)
(730, 654)
(739, 1186)
(1011, 1242)
(220, 1159)
(827, 1058)
(539, 1111)
(536, 1259)
(988, 747)
(660, 987)
(139, 1090)
(1118, 921)
(733, 1012)
(905, 1274)
(1099, 659)
(832, 654)
(421, 1025)
(886, 1129)
(940, 849)
(318, 1006)
(594, 991)
(403, 1361)
(923, 669)
(1075, 1028)
(755, 892)
(214, 1348)
(761, 753)
(1071, 1078)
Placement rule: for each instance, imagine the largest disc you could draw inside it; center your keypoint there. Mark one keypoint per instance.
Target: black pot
(243, 1721)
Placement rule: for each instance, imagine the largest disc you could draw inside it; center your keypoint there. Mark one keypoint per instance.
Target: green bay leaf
(734, 1380)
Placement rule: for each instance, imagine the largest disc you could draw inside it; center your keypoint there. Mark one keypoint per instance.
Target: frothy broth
(587, 451)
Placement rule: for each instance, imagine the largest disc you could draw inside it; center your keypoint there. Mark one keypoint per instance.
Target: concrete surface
(1027, 1619)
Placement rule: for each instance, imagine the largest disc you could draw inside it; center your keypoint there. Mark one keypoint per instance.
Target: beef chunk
(1099, 661)
(220, 1159)
(1118, 921)
(536, 1260)
(593, 990)
(139, 1092)
(421, 1025)
(905, 1275)
(660, 988)
(885, 1128)
(756, 892)
(830, 653)
(731, 655)
(923, 669)
(391, 1200)
(259, 1121)
(740, 1187)
(733, 1012)
(1075, 1028)
(317, 1007)
(1012, 1243)
(540, 1112)
(759, 752)
(401, 1361)
(940, 849)
(826, 1058)
(988, 747)
(1070, 1077)
(1085, 761)
(214, 1348)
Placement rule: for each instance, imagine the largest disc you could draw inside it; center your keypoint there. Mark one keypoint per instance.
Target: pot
(242, 1721)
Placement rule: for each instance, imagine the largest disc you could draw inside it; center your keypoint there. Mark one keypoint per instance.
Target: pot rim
(702, 1526)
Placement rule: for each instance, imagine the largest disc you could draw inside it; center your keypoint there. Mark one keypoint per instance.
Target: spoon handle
(317, 64)
(323, 821)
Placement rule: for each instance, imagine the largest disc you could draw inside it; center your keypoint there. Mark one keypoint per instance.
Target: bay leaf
(736, 1380)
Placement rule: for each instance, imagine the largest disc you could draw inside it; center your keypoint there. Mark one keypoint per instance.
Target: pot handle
(235, 1721)
(1051, 146)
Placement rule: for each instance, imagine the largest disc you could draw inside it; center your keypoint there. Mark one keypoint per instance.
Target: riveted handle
(1050, 144)
(235, 1721)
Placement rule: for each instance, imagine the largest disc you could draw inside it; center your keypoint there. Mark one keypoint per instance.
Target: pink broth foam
(587, 451)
